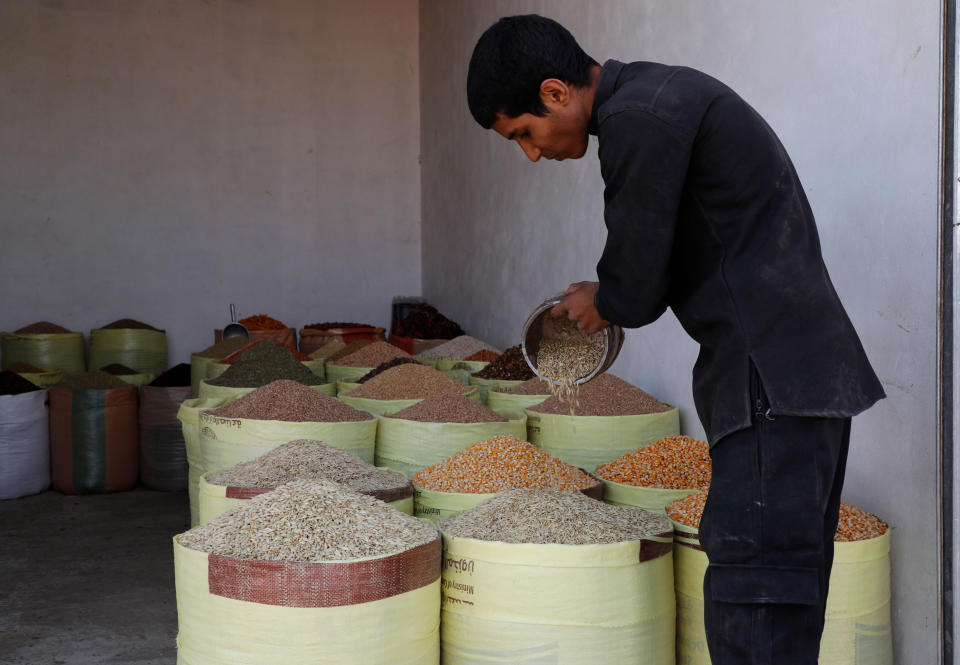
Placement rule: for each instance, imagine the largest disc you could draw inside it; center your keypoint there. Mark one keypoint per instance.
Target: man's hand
(578, 306)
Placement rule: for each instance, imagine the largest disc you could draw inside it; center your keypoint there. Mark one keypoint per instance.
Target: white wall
(851, 88)
(160, 159)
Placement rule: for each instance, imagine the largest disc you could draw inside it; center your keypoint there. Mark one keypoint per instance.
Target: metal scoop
(234, 329)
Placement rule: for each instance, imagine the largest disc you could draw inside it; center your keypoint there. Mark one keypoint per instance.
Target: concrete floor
(88, 580)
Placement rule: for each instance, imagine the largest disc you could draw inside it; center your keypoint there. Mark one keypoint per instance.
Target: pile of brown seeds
(347, 350)
(383, 367)
(372, 355)
(510, 366)
(327, 350)
(605, 395)
(409, 382)
(449, 408)
(305, 459)
(128, 324)
(310, 521)
(290, 401)
(458, 347)
(553, 516)
(534, 386)
(42, 328)
(224, 348)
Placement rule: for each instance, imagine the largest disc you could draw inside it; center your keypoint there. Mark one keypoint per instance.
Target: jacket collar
(605, 88)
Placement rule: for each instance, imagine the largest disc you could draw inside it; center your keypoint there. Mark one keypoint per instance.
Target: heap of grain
(458, 347)
(655, 476)
(258, 366)
(276, 413)
(383, 367)
(351, 367)
(311, 565)
(302, 459)
(507, 371)
(200, 359)
(609, 418)
(597, 581)
(567, 353)
(327, 350)
(403, 386)
(215, 369)
(500, 463)
(437, 427)
(857, 627)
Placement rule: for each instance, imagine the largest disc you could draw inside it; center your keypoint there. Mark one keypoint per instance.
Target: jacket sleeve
(644, 164)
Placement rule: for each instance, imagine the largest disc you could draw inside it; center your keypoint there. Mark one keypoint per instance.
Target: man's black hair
(513, 57)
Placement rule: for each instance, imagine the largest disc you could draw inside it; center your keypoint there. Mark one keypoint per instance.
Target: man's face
(560, 134)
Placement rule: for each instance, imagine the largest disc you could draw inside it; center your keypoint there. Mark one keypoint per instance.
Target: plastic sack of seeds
(386, 407)
(51, 351)
(337, 373)
(163, 452)
(435, 506)
(217, 499)
(24, 444)
(208, 391)
(138, 348)
(215, 369)
(228, 441)
(638, 496)
(857, 628)
(44, 380)
(93, 440)
(588, 441)
(507, 603)
(189, 416)
(484, 385)
(409, 445)
(504, 401)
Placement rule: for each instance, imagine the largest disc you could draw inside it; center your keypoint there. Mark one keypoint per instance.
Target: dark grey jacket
(705, 214)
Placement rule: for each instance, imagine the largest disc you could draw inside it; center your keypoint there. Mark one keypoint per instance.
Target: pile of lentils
(346, 350)
(501, 463)
(95, 380)
(606, 395)
(553, 516)
(128, 324)
(305, 459)
(510, 366)
(42, 328)
(327, 350)
(310, 521)
(262, 364)
(449, 408)
(458, 347)
(410, 381)
(676, 462)
(12, 383)
(290, 401)
(383, 367)
(372, 355)
(855, 523)
(425, 322)
(224, 348)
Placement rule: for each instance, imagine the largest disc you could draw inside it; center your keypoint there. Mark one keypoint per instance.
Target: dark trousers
(767, 530)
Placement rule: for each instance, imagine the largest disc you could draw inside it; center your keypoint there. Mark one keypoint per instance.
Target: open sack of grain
(857, 628)
(279, 412)
(403, 386)
(45, 345)
(485, 468)
(258, 365)
(507, 371)
(437, 427)
(300, 460)
(519, 397)
(548, 576)
(189, 416)
(201, 359)
(129, 342)
(310, 572)
(352, 366)
(24, 437)
(163, 453)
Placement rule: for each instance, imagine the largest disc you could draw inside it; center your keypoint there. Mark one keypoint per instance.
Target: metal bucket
(533, 330)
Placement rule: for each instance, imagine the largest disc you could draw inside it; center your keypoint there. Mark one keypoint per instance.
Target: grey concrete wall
(852, 89)
(162, 158)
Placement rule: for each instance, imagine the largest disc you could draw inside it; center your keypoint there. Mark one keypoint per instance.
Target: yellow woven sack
(589, 441)
(142, 350)
(461, 375)
(217, 499)
(198, 372)
(208, 391)
(45, 379)
(559, 604)
(347, 374)
(857, 628)
(386, 407)
(228, 441)
(408, 445)
(484, 385)
(137, 379)
(189, 417)
(434, 506)
(367, 612)
(654, 499)
(345, 386)
(500, 401)
(55, 351)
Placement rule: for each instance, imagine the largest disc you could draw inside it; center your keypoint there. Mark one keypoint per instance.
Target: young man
(705, 214)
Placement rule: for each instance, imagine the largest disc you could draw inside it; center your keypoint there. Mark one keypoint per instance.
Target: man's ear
(554, 92)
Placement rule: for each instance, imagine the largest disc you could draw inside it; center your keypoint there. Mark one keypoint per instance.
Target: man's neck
(588, 92)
